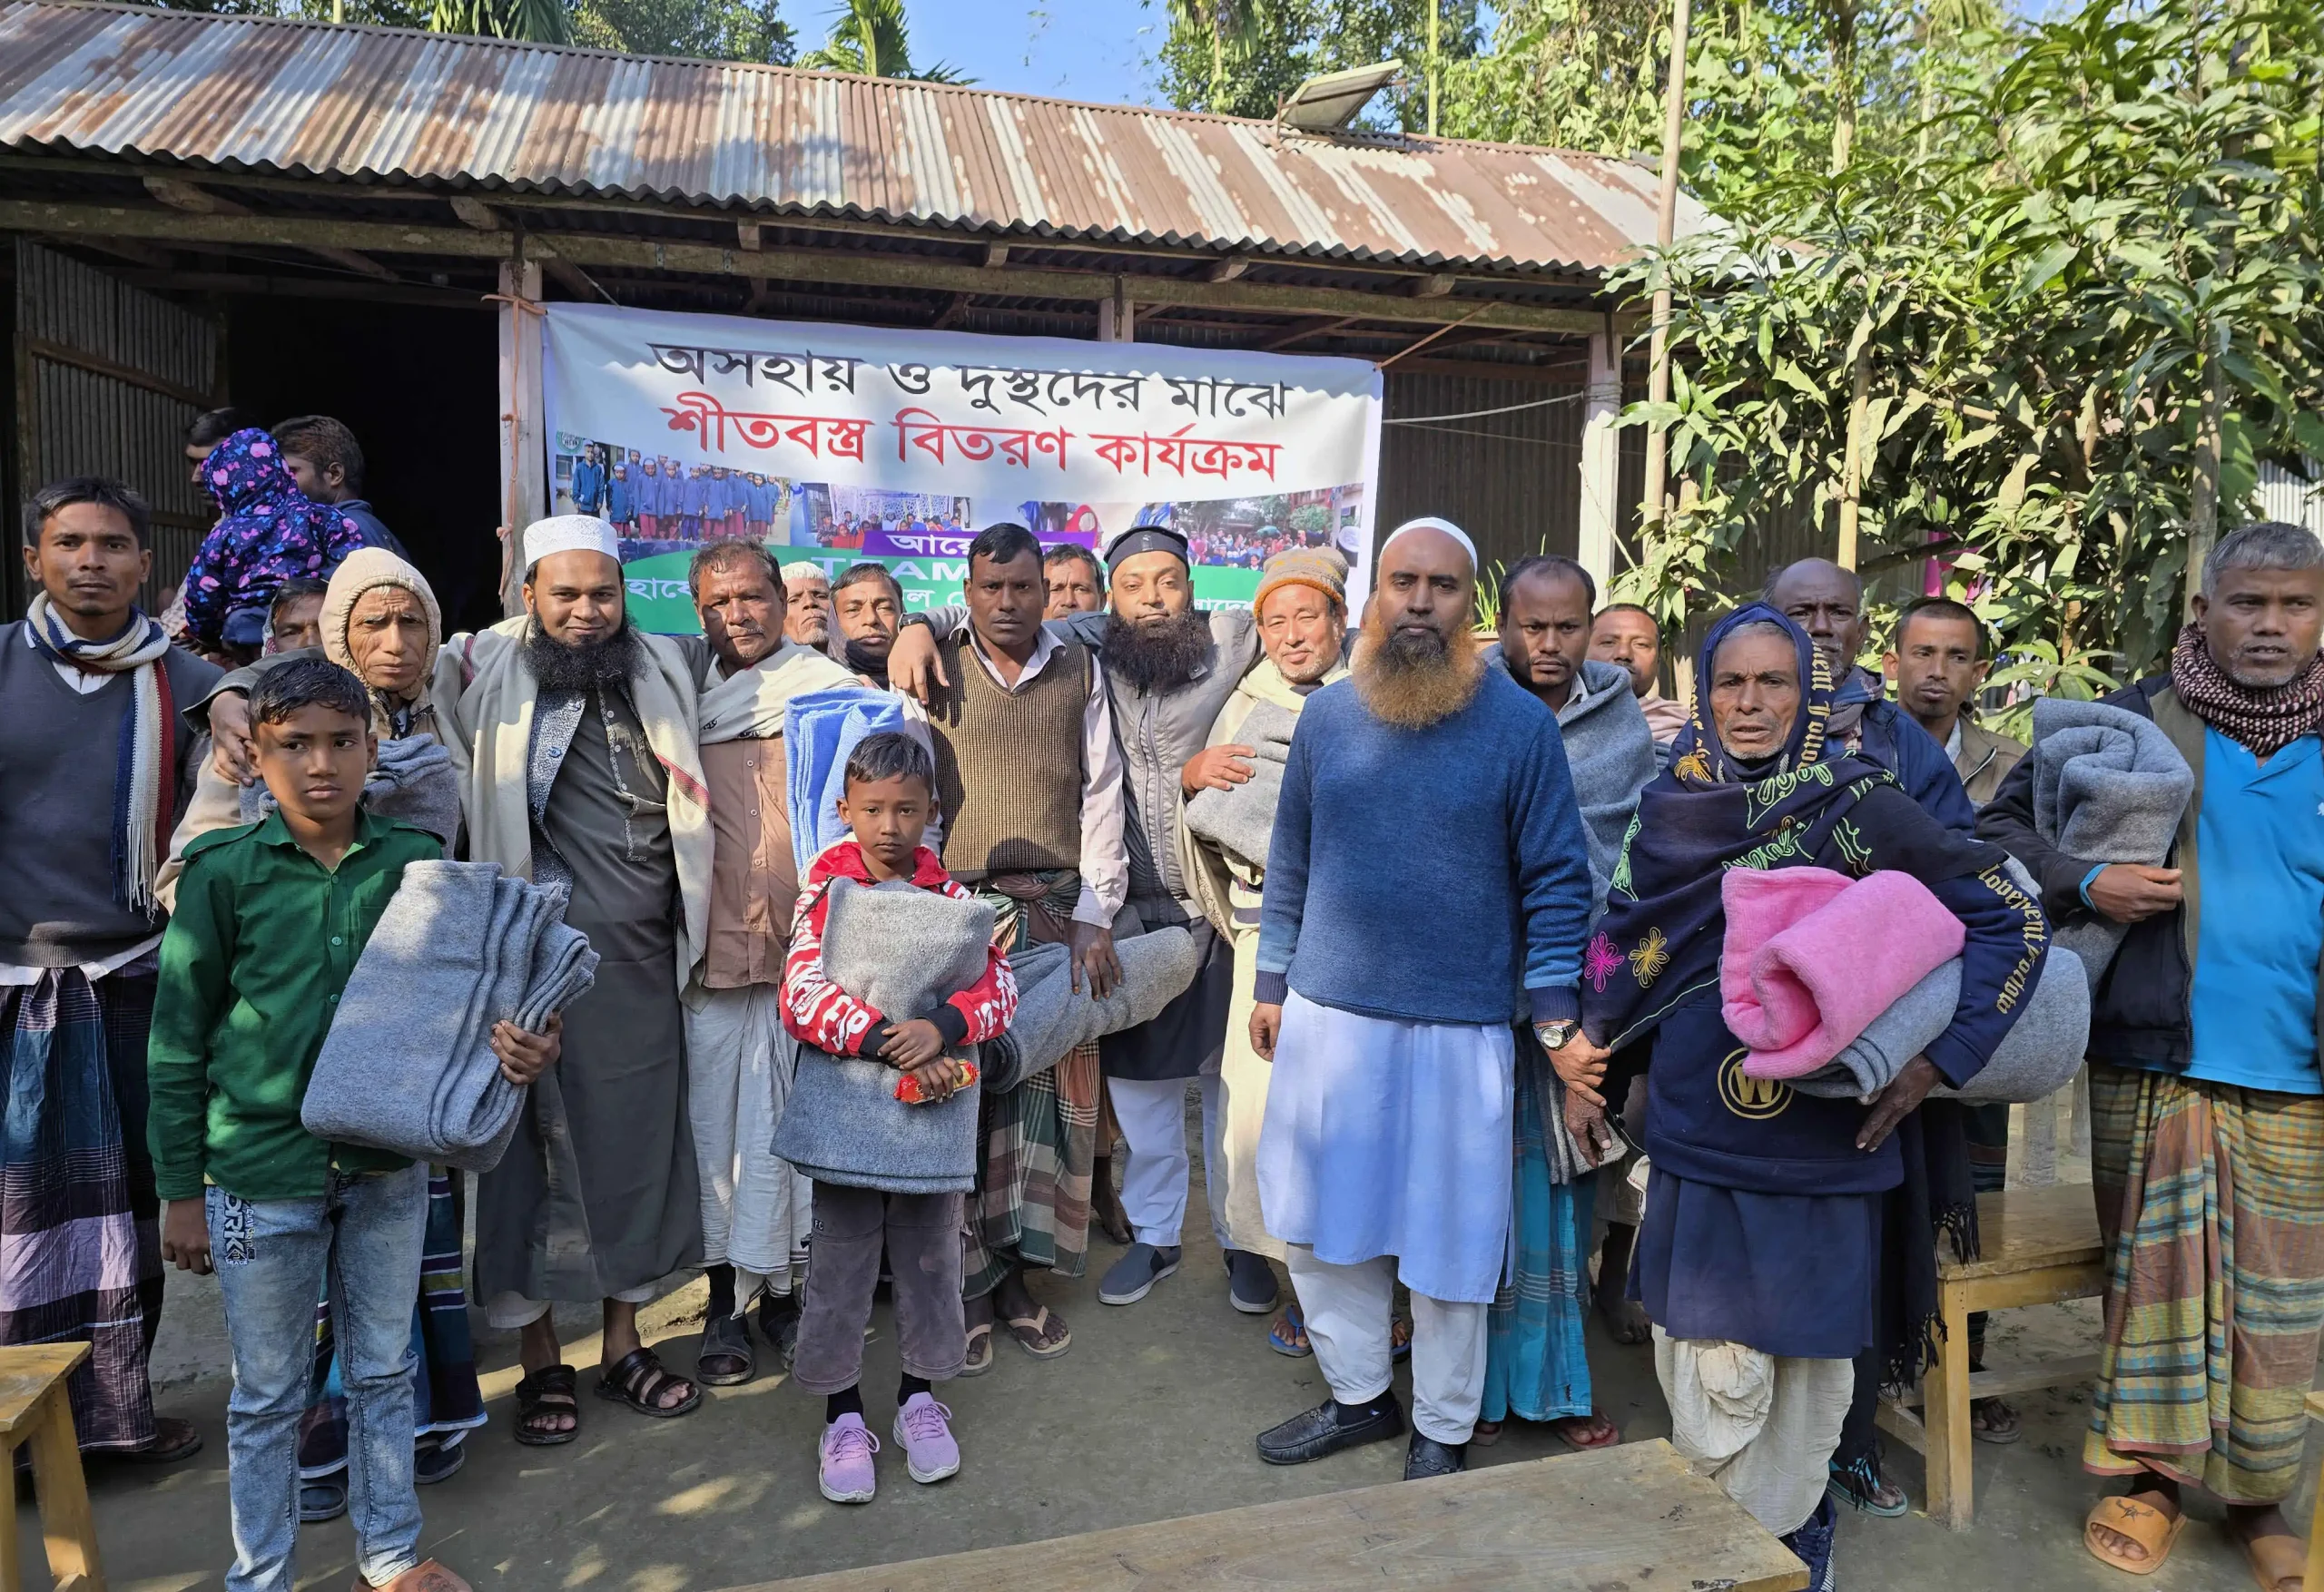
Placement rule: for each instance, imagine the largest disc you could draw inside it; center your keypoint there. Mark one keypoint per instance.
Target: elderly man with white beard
(1427, 860)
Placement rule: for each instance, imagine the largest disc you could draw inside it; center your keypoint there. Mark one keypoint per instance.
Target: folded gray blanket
(2108, 787)
(903, 952)
(411, 782)
(2037, 1058)
(1053, 1018)
(407, 1064)
(1240, 820)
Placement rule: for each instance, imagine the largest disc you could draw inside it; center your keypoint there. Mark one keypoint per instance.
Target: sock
(1356, 1414)
(909, 1385)
(721, 1291)
(847, 1400)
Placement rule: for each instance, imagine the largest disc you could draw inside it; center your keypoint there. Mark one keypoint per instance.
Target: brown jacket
(1985, 761)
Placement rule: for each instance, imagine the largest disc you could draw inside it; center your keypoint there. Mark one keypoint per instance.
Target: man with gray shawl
(1535, 1366)
(574, 734)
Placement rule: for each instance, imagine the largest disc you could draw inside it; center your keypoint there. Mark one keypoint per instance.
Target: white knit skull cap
(1429, 522)
(570, 533)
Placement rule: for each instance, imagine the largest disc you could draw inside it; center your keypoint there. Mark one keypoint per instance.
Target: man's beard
(559, 666)
(1415, 679)
(1158, 657)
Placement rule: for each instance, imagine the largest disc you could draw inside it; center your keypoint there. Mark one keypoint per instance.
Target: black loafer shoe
(1316, 1432)
(1427, 1457)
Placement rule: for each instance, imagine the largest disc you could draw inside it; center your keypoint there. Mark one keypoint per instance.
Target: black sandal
(547, 1391)
(725, 1345)
(637, 1377)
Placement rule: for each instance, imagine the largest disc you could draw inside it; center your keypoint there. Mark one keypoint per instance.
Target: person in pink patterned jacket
(268, 532)
(891, 792)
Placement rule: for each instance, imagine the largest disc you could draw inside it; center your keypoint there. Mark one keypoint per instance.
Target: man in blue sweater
(1386, 994)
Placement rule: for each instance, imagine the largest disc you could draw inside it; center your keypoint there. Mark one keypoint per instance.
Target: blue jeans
(364, 1236)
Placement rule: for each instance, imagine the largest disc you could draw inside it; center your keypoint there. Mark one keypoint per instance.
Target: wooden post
(1852, 467)
(1601, 457)
(1666, 220)
(524, 467)
(1118, 316)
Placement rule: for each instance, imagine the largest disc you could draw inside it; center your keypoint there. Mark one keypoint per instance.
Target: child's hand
(912, 1045)
(524, 1056)
(938, 1080)
(185, 1237)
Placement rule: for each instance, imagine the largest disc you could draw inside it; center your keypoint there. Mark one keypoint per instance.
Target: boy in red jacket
(890, 789)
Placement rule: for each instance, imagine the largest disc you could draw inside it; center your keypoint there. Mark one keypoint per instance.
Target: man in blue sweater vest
(1385, 991)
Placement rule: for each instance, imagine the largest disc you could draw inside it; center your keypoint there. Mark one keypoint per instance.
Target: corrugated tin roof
(366, 103)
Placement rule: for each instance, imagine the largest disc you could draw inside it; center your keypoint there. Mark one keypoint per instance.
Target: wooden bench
(2041, 1245)
(34, 1413)
(1633, 1516)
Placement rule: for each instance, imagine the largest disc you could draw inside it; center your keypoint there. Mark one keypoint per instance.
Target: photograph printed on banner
(656, 503)
(1244, 533)
(882, 524)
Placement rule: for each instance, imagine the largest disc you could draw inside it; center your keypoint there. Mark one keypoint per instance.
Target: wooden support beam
(572, 279)
(750, 235)
(253, 285)
(1228, 269)
(477, 214)
(524, 467)
(814, 265)
(951, 314)
(200, 201)
(1315, 326)
(996, 255)
(1436, 285)
(1601, 459)
(123, 248)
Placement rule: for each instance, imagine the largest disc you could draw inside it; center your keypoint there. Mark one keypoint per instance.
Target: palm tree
(1233, 22)
(872, 37)
(538, 21)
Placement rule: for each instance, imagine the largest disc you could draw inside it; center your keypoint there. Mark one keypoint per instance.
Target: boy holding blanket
(270, 920)
(891, 972)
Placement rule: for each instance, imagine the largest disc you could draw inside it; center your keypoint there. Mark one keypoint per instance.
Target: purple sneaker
(925, 1426)
(846, 1475)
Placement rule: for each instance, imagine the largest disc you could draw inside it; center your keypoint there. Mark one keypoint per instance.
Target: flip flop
(1993, 1421)
(2276, 1560)
(635, 1380)
(979, 1359)
(1561, 1430)
(1033, 1333)
(1289, 1347)
(174, 1439)
(2142, 1523)
(547, 1391)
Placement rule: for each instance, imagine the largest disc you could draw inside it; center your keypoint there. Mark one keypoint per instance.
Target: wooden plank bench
(1633, 1516)
(2041, 1246)
(34, 1413)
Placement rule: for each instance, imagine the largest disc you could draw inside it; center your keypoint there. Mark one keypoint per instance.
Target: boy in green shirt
(269, 921)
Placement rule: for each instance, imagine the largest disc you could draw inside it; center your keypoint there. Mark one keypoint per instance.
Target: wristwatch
(1556, 1036)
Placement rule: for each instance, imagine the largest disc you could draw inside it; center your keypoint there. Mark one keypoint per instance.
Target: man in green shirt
(271, 918)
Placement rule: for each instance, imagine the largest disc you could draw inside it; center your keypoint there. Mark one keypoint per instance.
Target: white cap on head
(1429, 522)
(570, 533)
(803, 569)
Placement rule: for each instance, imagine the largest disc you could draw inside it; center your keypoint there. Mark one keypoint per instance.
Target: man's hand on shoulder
(232, 753)
(913, 667)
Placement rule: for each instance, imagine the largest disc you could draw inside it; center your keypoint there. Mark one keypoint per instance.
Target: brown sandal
(2138, 1520)
(2277, 1560)
(980, 1355)
(1042, 1335)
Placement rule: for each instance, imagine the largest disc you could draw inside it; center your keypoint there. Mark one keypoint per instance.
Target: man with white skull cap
(574, 735)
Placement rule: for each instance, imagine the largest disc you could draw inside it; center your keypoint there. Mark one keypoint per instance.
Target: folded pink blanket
(1811, 956)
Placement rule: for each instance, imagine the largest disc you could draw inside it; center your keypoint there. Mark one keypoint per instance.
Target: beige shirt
(753, 879)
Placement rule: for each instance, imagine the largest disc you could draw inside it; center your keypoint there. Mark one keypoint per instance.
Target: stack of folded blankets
(407, 1064)
(821, 729)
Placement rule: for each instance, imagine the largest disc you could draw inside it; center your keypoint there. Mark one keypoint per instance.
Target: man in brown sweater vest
(1030, 781)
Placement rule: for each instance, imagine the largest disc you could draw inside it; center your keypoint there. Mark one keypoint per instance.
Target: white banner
(836, 443)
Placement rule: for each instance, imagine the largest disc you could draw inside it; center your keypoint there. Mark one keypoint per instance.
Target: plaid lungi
(2211, 1199)
(79, 1220)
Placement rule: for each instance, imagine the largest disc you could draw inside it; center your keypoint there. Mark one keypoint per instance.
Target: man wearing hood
(1535, 1367)
(1169, 668)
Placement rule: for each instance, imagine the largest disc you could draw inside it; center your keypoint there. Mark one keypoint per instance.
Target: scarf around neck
(2265, 719)
(1709, 811)
(144, 758)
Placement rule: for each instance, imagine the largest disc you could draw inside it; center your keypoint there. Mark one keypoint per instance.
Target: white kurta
(1385, 1138)
(756, 1212)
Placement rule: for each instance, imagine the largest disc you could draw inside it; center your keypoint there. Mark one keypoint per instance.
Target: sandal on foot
(322, 1500)
(1485, 1433)
(725, 1358)
(1993, 1421)
(1400, 1349)
(1287, 1335)
(2137, 1519)
(432, 1462)
(979, 1359)
(1860, 1487)
(174, 1439)
(2277, 1560)
(546, 1393)
(1042, 1334)
(637, 1379)
(1584, 1433)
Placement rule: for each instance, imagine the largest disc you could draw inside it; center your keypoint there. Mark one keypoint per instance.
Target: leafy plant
(874, 38)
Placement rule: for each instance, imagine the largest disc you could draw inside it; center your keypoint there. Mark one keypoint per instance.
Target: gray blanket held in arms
(903, 952)
(2108, 787)
(407, 1065)
(2038, 1056)
(1240, 819)
(1053, 1018)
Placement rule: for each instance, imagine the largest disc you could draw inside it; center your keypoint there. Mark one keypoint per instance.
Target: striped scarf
(144, 763)
(2266, 719)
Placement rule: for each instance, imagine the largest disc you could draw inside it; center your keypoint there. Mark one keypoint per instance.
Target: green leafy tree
(1287, 42)
(712, 30)
(874, 38)
(539, 22)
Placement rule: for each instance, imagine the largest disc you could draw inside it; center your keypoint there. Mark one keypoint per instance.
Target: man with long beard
(574, 736)
(1387, 1142)
(1169, 668)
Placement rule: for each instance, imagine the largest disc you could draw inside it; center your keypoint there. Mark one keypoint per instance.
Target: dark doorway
(419, 388)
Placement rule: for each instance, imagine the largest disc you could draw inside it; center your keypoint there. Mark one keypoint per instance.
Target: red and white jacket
(818, 1012)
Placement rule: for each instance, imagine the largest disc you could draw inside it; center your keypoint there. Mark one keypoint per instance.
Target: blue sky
(1101, 50)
